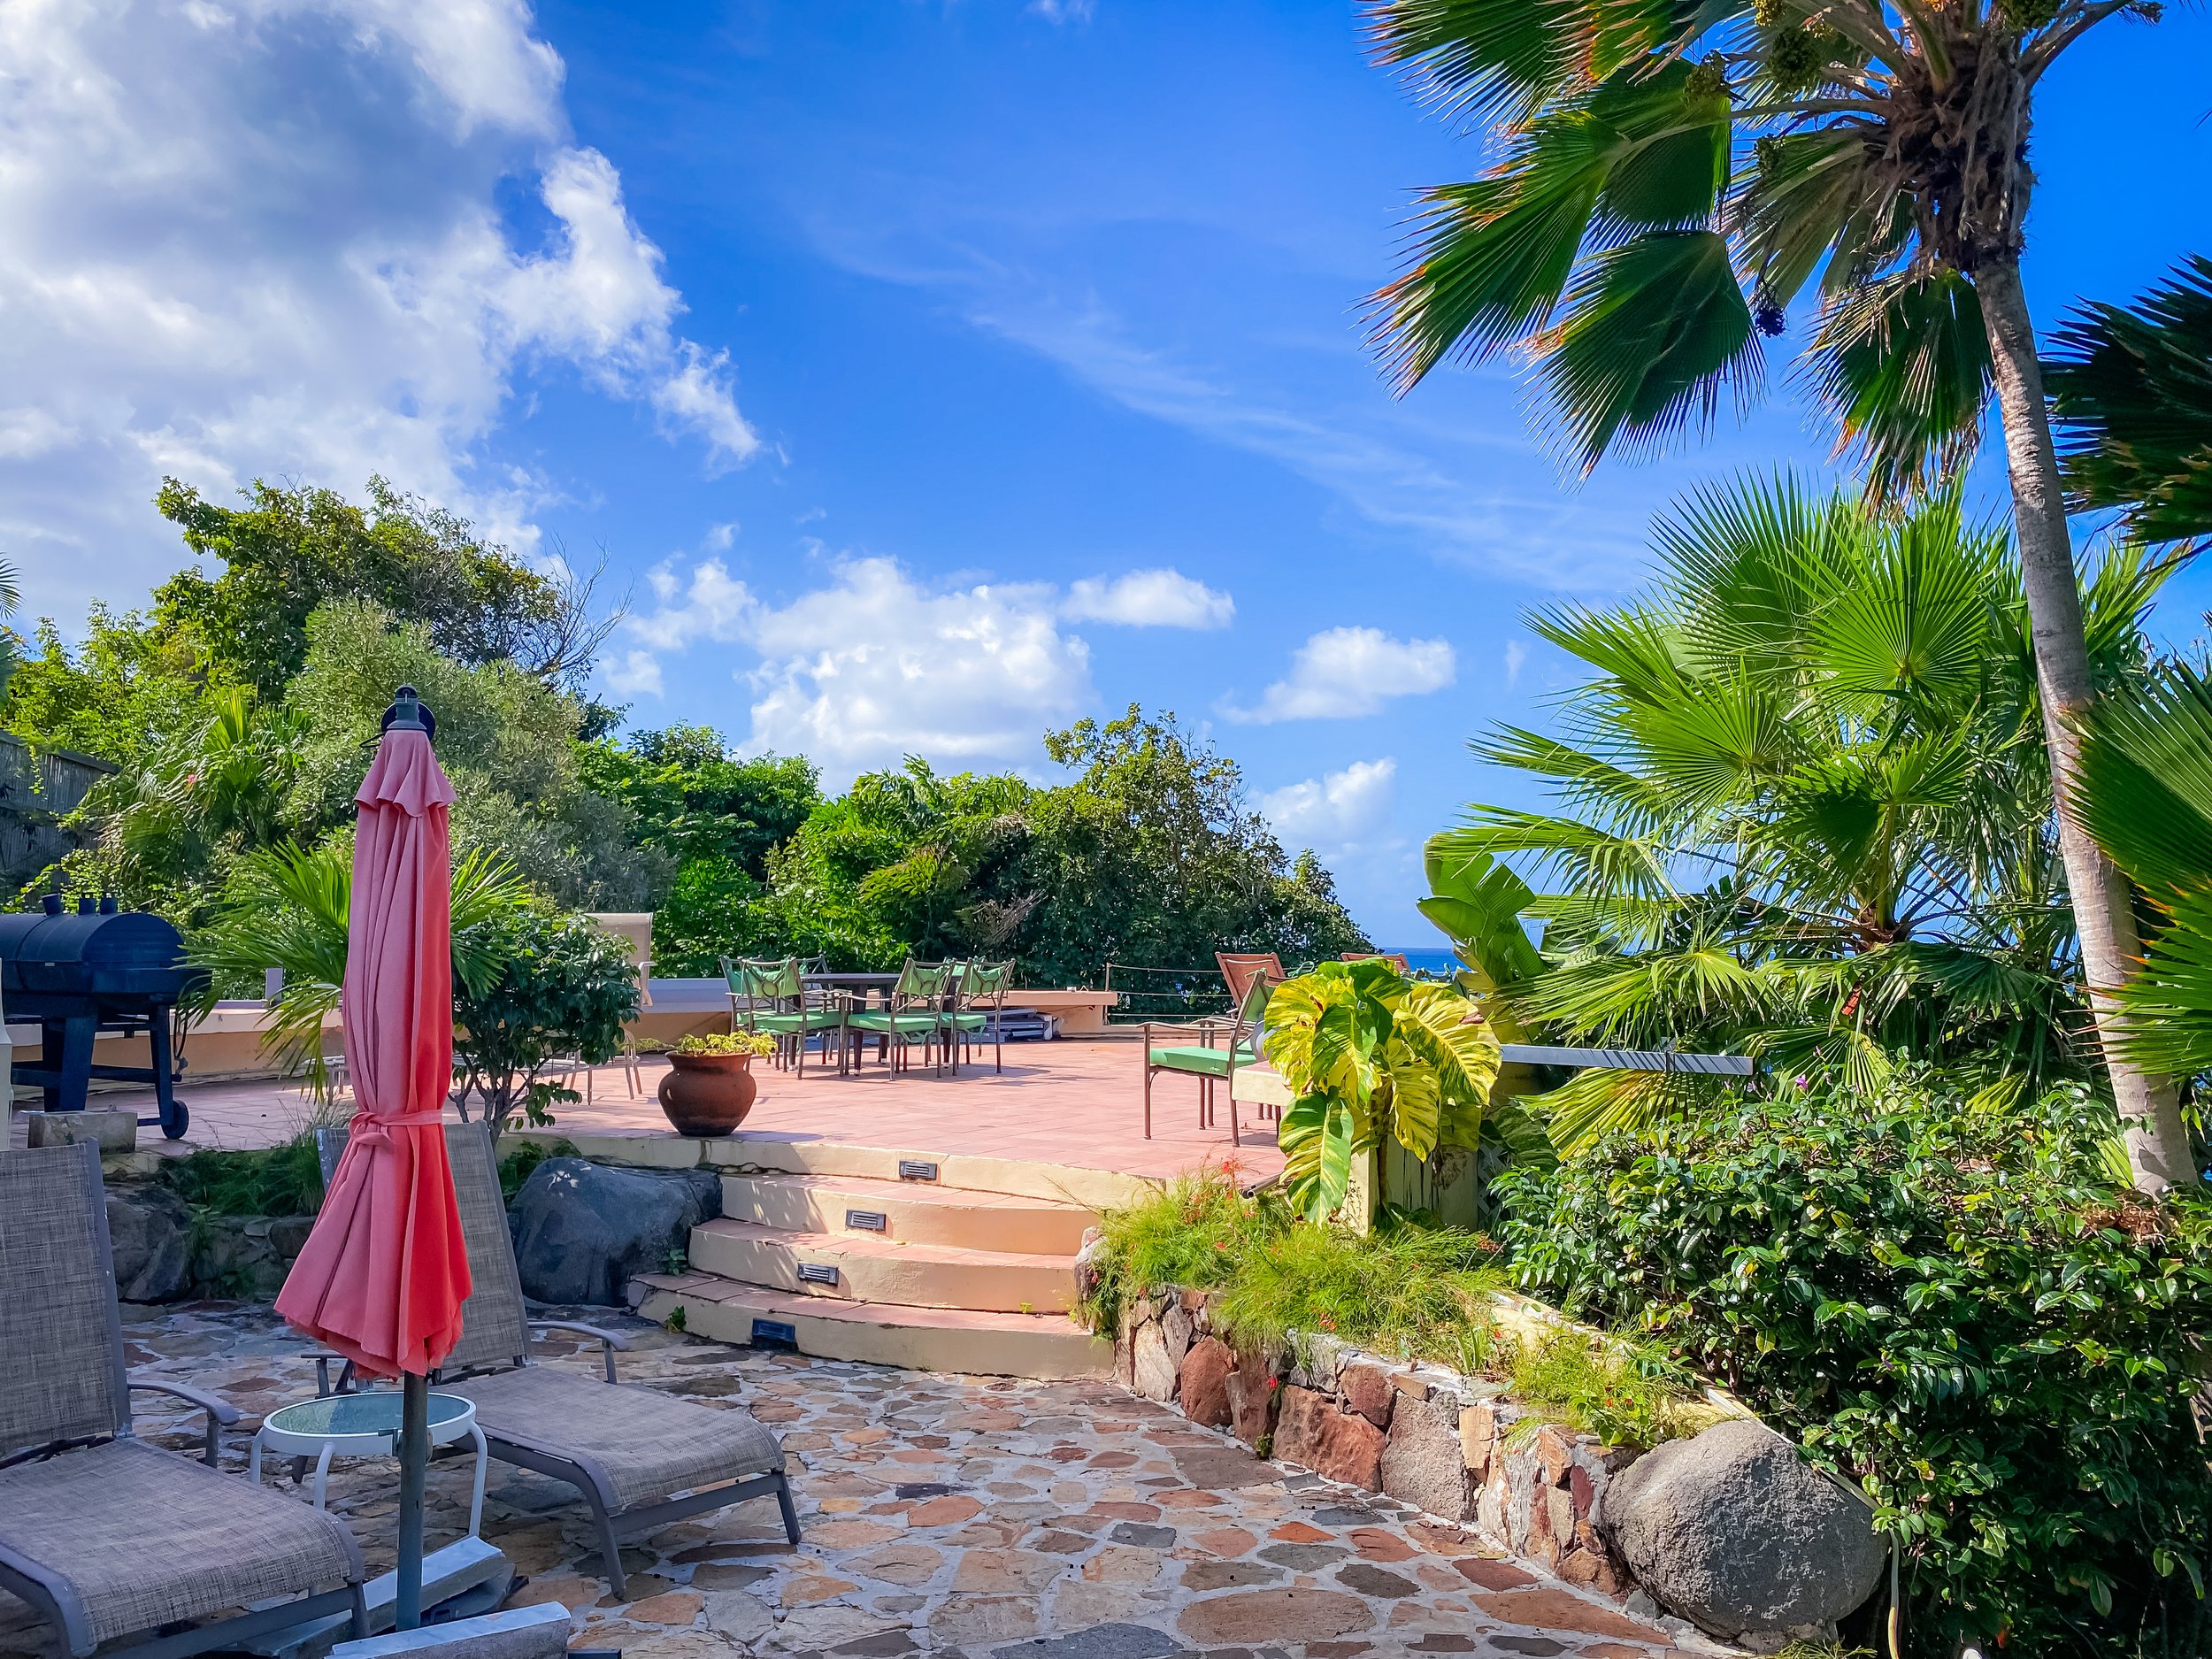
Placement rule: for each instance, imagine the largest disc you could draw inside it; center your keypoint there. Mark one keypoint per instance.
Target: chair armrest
(220, 1414)
(611, 1342)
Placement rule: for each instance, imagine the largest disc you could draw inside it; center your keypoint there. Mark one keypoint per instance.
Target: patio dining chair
(1241, 968)
(639, 1458)
(111, 1540)
(777, 999)
(1223, 1049)
(916, 1013)
(978, 1006)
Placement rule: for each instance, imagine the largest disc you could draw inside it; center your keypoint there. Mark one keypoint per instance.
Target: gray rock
(1157, 1376)
(1733, 1530)
(581, 1230)
(150, 1228)
(1424, 1465)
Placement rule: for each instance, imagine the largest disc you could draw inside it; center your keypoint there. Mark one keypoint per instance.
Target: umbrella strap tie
(374, 1130)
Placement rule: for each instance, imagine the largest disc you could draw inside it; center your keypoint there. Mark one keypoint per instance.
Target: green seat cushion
(1205, 1062)
(971, 1022)
(904, 1024)
(783, 1024)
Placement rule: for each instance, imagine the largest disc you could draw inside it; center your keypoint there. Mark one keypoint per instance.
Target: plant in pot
(709, 1085)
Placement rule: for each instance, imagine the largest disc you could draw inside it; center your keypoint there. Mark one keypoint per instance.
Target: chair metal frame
(45, 1591)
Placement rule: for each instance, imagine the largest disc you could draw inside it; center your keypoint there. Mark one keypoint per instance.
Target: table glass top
(376, 1413)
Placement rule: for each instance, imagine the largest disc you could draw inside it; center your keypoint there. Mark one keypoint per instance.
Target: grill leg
(158, 1028)
(73, 1056)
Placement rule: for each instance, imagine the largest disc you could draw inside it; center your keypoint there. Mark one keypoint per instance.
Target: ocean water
(1427, 958)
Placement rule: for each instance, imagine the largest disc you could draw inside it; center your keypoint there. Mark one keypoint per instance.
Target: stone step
(1050, 1347)
(772, 1153)
(868, 1268)
(912, 1212)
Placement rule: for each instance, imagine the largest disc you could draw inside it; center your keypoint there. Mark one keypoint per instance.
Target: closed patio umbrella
(385, 1272)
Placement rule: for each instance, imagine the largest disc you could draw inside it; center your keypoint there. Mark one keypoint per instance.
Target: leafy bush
(1957, 1308)
(564, 988)
(279, 1180)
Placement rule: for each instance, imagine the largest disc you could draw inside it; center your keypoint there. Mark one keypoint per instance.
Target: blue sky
(880, 344)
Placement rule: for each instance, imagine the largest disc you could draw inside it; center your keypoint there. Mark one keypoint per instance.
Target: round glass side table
(365, 1425)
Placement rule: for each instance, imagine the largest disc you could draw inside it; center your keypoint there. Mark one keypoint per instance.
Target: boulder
(1733, 1530)
(150, 1228)
(1205, 1382)
(1424, 1464)
(1367, 1389)
(247, 1256)
(582, 1230)
(1255, 1389)
(1337, 1445)
(1156, 1374)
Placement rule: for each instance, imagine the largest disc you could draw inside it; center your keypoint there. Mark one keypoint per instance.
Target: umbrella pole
(414, 1470)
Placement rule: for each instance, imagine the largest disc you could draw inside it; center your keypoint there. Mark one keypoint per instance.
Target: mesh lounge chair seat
(126, 1537)
(642, 1445)
(112, 1540)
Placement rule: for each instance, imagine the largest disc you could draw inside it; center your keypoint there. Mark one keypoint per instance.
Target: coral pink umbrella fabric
(384, 1273)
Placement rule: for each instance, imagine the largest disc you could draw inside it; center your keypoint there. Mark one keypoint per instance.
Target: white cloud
(1337, 809)
(1149, 599)
(1063, 11)
(875, 665)
(265, 238)
(1344, 672)
(1516, 656)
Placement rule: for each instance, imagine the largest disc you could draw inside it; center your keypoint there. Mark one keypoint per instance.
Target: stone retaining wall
(1426, 1435)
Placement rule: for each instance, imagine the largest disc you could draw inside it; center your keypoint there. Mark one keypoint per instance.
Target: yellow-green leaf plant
(1373, 1057)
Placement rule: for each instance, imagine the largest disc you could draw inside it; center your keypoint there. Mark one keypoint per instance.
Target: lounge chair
(112, 1540)
(640, 1458)
(1395, 958)
(1225, 1047)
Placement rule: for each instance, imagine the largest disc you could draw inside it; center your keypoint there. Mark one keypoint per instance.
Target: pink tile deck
(1072, 1102)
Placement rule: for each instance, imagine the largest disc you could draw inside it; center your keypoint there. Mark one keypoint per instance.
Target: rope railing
(1191, 993)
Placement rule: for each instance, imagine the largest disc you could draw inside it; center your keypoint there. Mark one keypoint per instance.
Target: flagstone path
(943, 1515)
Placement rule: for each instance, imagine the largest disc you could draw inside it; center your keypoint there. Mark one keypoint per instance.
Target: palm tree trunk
(2104, 917)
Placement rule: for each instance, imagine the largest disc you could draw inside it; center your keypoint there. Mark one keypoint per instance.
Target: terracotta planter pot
(707, 1094)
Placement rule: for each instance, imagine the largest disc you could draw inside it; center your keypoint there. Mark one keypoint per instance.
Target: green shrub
(1408, 1290)
(279, 1180)
(1956, 1309)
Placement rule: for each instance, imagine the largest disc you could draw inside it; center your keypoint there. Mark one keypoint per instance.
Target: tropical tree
(288, 907)
(2132, 388)
(1670, 178)
(1374, 1058)
(11, 650)
(1801, 807)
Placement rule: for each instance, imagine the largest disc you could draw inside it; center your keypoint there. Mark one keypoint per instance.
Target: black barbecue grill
(93, 970)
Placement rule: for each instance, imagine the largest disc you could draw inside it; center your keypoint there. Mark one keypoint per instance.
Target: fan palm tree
(1672, 176)
(290, 908)
(1803, 807)
(2132, 388)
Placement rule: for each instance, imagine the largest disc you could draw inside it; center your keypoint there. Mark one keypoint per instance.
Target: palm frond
(2131, 389)
(1902, 363)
